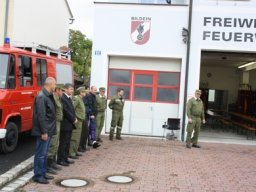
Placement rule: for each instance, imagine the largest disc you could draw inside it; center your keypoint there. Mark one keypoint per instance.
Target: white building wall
(112, 38)
(146, 1)
(227, 12)
(43, 22)
(112, 30)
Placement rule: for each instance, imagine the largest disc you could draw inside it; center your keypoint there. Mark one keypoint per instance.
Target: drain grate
(73, 183)
(119, 179)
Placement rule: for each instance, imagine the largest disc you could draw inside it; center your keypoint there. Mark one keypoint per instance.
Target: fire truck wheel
(9, 143)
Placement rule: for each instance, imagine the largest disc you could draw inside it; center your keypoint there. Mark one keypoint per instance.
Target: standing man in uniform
(117, 106)
(52, 154)
(80, 115)
(67, 125)
(101, 105)
(44, 127)
(195, 113)
(85, 129)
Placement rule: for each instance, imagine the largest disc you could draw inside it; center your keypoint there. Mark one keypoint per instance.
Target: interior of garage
(228, 84)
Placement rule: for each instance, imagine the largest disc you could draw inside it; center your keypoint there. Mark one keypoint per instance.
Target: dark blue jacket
(90, 103)
(44, 120)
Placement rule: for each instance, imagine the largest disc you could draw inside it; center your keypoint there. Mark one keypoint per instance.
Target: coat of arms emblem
(140, 31)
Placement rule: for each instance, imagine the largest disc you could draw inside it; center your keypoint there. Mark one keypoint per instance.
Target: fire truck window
(25, 71)
(11, 73)
(41, 71)
(4, 58)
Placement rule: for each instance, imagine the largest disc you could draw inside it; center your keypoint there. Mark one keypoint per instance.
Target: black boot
(89, 142)
(49, 166)
(111, 133)
(52, 164)
(118, 133)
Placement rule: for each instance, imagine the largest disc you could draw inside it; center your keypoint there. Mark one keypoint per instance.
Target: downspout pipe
(187, 70)
(6, 18)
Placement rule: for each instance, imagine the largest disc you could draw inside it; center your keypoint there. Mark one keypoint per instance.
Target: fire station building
(161, 53)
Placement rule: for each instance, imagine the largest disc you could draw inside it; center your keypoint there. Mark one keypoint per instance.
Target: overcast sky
(83, 13)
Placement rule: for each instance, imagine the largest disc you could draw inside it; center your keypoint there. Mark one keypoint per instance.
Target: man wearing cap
(85, 129)
(101, 105)
(117, 105)
(67, 125)
(52, 154)
(80, 115)
(195, 113)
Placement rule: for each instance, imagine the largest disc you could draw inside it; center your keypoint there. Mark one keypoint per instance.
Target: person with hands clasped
(44, 127)
(67, 125)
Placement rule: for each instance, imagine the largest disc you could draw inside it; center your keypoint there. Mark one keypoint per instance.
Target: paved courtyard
(161, 166)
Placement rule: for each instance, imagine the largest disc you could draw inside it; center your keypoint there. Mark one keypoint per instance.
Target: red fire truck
(22, 74)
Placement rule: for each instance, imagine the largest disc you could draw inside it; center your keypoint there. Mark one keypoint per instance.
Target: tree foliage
(80, 54)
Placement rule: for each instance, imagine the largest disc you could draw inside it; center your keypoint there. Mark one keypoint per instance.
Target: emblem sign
(140, 29)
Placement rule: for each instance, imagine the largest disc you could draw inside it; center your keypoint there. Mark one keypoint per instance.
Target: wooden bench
(226, 122)
(248, 129)
(233, 120)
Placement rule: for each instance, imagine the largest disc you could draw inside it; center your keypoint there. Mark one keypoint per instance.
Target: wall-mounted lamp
(247, 64)
(71, 20)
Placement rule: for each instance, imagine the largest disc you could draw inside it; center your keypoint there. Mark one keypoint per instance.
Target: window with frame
(168, 87)
(11, 73)
(25, 71)
(41, 71)
(119, 78)
(145, 86)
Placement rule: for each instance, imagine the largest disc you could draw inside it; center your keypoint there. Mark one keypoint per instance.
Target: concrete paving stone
(162, 166)
(13, 185)
(8, 175)
(7, 189)
(3, 180)
(24, 178)
(20, 182)
(13, 173)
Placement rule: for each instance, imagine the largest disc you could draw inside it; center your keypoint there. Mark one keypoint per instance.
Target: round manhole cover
(73, 183)
(119, 179)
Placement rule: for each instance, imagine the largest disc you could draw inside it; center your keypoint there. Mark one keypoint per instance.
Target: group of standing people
(64, 124)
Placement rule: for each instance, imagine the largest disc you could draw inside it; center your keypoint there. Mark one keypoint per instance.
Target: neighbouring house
(34, 21)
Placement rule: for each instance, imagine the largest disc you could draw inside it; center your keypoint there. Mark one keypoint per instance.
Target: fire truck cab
(22, 74)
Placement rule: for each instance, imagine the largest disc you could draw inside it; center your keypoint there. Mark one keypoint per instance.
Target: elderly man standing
(44, 127)
(195, 113)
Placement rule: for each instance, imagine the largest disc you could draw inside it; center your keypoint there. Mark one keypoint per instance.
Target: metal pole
(187, 70)
(6, 18)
